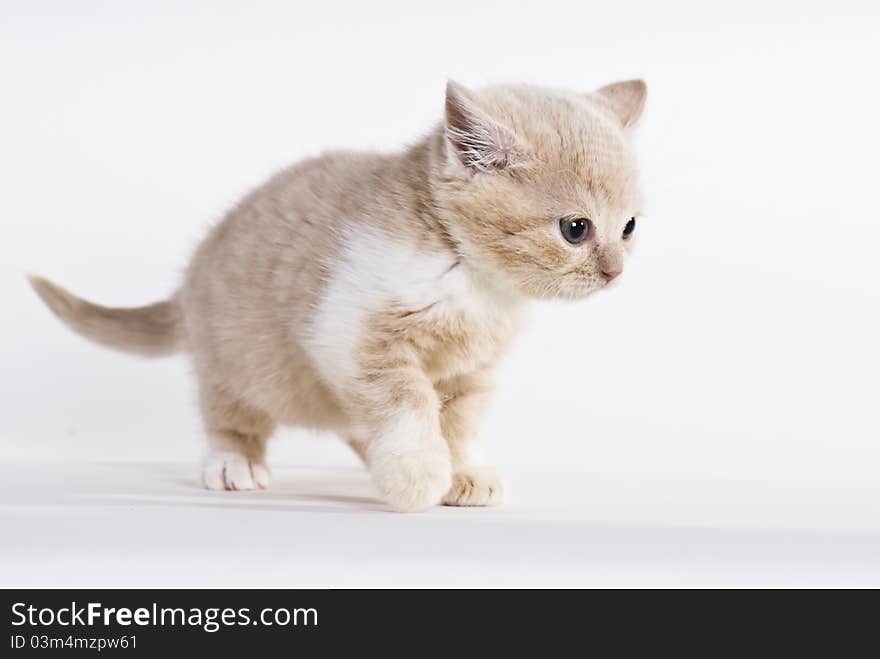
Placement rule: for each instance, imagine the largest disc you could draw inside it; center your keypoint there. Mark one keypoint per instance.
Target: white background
(712, 420)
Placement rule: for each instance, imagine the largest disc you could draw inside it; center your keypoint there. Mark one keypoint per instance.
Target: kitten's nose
(610, 261)
(611, 273)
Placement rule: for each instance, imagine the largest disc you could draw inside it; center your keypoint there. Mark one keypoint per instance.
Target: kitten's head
(540, 187)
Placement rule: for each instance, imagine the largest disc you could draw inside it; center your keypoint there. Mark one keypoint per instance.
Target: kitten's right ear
(479, 142)
(626, 99)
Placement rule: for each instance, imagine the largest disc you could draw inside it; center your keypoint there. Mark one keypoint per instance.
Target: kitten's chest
(384, 294)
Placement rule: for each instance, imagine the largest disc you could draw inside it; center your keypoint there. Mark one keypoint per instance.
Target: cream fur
(372, 295)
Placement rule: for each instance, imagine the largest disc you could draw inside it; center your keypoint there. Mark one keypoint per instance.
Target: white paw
(475, 486)
(224, 470)
(412, 481)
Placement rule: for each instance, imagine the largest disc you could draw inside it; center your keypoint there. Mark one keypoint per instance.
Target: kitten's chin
(562, 290)
(567, 294)
(574, 296)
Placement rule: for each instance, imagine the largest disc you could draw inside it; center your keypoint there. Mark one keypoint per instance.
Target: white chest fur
(381, 274)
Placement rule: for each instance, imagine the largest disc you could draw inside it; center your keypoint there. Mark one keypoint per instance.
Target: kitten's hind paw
(475, 486)
(224, 470)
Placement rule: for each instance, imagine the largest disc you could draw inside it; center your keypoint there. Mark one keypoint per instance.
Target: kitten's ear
(626, 99)
(479, 142)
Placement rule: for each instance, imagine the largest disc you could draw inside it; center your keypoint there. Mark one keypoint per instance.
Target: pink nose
(611, 273)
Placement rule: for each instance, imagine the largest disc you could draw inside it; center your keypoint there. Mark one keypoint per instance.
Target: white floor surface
(127, 524)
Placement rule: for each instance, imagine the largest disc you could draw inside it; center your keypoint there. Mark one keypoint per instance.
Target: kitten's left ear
(626, 99)
(478, 141)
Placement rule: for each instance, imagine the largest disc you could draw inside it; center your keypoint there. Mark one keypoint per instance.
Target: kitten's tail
(153, 331)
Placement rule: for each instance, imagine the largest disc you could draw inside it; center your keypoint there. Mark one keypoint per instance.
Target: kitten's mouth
(579, 290)
(611, 282)
(602, 283)
(579, 284)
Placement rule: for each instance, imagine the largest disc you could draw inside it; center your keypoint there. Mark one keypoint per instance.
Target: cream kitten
(372, 295)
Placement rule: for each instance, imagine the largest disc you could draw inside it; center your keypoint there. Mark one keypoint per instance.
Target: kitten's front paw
(475, 486)
(224, 470)
(412, 481)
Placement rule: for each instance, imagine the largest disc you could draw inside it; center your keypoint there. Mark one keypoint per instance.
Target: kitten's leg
(237, 435)
(463, 400)
(396, 410)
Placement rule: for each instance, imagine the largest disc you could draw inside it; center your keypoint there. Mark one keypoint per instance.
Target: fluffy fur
(372, 295)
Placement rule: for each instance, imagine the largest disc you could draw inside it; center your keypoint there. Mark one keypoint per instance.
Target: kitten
(372, 295)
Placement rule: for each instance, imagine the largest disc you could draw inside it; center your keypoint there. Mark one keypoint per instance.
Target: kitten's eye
(575, 229)
(629, 228)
